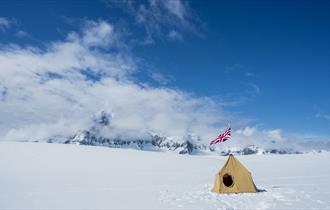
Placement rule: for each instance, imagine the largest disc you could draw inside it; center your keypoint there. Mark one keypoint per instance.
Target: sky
(167, 66)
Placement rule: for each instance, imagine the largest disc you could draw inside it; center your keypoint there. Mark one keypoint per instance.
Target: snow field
(57, 176)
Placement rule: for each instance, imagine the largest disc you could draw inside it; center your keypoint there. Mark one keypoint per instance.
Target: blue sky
(266, 61)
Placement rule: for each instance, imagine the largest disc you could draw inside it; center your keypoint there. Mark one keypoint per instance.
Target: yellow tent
(233, 178)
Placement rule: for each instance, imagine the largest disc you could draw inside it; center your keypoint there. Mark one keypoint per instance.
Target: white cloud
(268, 139)
(275, 135)
(98, 34)
(247, 131)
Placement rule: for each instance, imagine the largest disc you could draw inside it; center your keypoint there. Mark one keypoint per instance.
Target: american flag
(222, 137)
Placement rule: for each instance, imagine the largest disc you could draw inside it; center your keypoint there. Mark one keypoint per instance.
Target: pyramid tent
(233, 178)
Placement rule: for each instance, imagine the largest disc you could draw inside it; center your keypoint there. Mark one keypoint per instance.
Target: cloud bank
(57, 90)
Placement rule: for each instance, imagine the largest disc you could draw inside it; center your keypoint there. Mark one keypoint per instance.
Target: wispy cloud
(5, 23)
(12, 24)
(240, 69)
(161, 19)
(159, 77)
(249, 87)
(253, 90)
(174, 35)
(249, 74)
(325, 116)
(22, 34)
(233, 68)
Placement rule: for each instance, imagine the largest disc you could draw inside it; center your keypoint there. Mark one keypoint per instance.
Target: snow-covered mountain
(189, 144)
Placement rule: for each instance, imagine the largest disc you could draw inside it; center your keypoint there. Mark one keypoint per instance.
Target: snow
(58, 176)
